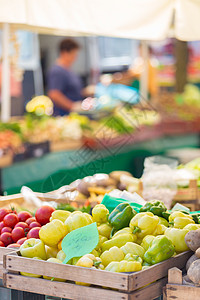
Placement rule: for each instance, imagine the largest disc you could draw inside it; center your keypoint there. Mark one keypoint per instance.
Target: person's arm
(60, 99)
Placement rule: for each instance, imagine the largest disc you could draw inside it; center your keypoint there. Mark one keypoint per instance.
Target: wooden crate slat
(157, 271)
(60, 289)
(151, 291)
(3, 251)
(175, 289)
(182, 292)
(68, 272)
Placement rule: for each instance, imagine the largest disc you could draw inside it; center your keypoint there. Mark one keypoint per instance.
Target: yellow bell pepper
(143, 224)
(133, 248)
(105, 230)
(124, 266)
(53, 232)
(51, 251)
(61, 255)
(78, 219)
(89, 261)
(102, 239)
(192, 226)
(179, 214)
(33, 248)
(160, 229)
(30, 274)
(126, 230)
(119, 241)
(177, 236)
(113, 254)
(61, 215)
(146, 242)
(132, 257)
(54, 260)
(163, 222)
(100, 213)
(181, 222)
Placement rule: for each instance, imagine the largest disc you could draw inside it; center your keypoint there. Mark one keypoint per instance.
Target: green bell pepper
(121, 216)
(166, 215)
(196, 218)
(155, 206)
(160, 249)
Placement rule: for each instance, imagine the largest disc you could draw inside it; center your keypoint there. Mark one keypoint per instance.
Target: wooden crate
(68, 144)
(6, 159)
(3, 251)
(189, 196)
(177, 287)
(147, 284)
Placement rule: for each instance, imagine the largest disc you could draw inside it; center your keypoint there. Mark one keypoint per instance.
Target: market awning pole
(144, 74)
(5, 82)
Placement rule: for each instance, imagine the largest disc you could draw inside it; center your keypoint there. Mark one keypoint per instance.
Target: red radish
(34, 233)
(17, 233)
(30, 220)
(3, 213)
(21, 241)
(15, 245)
(22, 225)
(43, 214)
(1, 225)
(23, 216)
(34, 224)
(6, 229)
(10, 220)
(6, 238)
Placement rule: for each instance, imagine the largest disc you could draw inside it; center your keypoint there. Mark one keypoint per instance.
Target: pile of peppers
(128, 241)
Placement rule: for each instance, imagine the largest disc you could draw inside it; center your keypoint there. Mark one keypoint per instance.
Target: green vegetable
(160, 249)
(155, 206)
(121, 216)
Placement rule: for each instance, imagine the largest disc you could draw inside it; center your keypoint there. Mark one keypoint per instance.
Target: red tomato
(6, 238)
(30, 220)
(34, 224)
(34, 233)
(6, 229)
(21, 241)
(2, 244)
(43, 214)
(24, 215)
(10, 220)
(22, 225)
(15, 245)
(3, 213)
(17, 233)
(1, 225)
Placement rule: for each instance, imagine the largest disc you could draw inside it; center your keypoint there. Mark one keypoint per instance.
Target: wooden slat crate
(189, 196)
(3, 251)
(68, 144)
(6, 160)
(177, 289)
(141, 285)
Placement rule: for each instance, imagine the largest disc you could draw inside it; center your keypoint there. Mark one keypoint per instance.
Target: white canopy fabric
(187, 20)
(137, 19)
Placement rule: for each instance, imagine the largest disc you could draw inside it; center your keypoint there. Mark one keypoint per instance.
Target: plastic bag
(159, 179)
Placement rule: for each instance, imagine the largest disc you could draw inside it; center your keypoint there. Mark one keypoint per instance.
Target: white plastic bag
(159, 179)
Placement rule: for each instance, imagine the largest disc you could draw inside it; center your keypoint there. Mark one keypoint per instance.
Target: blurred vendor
(64, 86)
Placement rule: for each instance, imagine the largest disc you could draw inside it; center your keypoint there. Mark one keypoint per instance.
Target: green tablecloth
(56, 169)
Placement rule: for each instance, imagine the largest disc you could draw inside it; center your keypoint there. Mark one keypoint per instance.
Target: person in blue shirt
(64, 86)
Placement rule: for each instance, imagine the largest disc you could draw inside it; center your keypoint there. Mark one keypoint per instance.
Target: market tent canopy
(137, 19)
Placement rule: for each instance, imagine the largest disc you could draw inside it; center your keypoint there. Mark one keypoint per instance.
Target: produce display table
(60, 168)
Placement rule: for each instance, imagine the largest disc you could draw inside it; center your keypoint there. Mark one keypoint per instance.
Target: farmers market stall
(56, 169)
